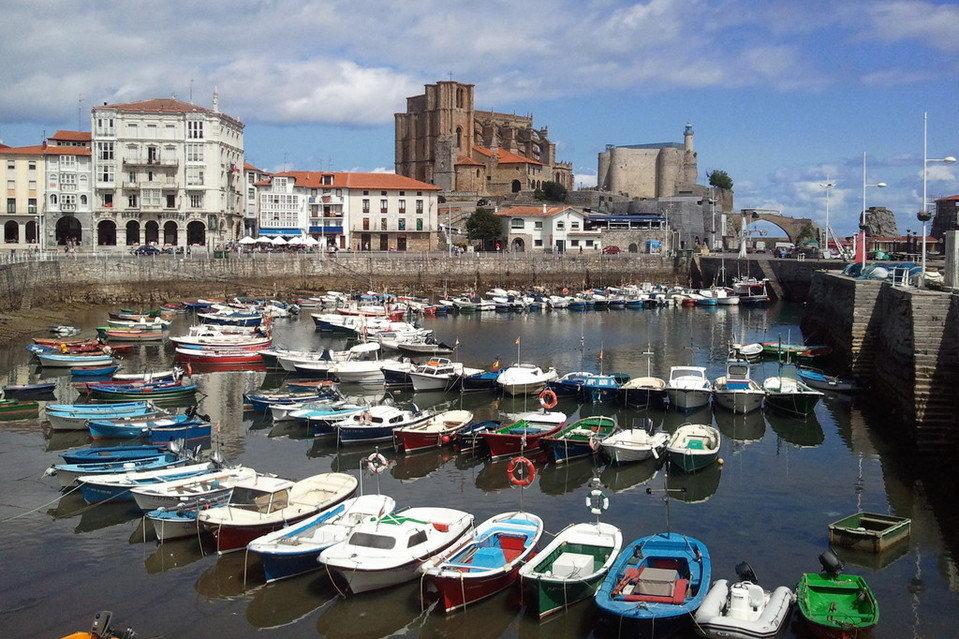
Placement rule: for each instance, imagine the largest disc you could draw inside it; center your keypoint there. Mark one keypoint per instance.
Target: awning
(281, 232)
(327, 230)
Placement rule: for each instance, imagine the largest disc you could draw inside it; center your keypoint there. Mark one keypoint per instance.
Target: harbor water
(782, 481)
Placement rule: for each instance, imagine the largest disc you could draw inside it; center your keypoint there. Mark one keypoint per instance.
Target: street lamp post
(826, 187)
(862, 217)
(924, 216)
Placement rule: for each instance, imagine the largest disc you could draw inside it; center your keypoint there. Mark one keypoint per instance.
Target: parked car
(146, 250)
(612, 250)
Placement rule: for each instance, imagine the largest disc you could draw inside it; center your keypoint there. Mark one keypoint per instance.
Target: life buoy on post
(521, 472)
(548, 399)
(376, 463)
(597, 502)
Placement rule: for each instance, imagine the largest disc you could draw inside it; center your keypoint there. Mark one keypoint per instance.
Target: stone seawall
(902, 342)
(112, 279)
(790, 278)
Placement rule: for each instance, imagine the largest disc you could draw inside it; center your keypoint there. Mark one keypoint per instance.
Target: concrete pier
(902, 342)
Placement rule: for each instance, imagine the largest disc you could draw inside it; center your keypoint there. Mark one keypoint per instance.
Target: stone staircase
(770, 275)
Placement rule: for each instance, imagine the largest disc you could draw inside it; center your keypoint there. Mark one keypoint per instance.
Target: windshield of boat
(258, 500)
(686, 372)
(371, 540)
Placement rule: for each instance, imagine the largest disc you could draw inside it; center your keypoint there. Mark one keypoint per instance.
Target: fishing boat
(525, 379)
(107, 454)
(790, 396)
(570, 568)
(693, 447)
(744, 610)
(63, 418)
(262, 402)
(469, 439)
(749, 352)
(656, 583)
(94, 371)
(117, 487)
(69, 472)
(422, 345)
(436, 374)
(737, 391)
(296, 549)
(13, 409)
(869, 532)
(587, 386)
(481, 381)
(688, 387)
(50, 359)
(191, 491)
(133, 428)
(482, 563)
(390, 550)
(38, 389)
(227, 341)
(134, 334)
(523, 435)
(181, 521)
(218, 357)
(815, 378)
(231, 318)
(159, 391)
(377, 423)
(361, 366)
(264, 504)
(435, 432)
(835, 604)
(321, 421)
(582, 438)
(633, 445)
(396, 374)
(156, 376)
(801, 352)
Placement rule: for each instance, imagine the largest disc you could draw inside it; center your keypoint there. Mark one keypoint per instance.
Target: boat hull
(622, 455)
(564, 450)
(455, 593)
(363, 434)
(544, 597)
(505, 445)
(230, 538)
(527, 388)
(687, 399)
(431, 382)
(691, 463)
(642, 397)
(795, 404)
(413, 441)
(148, 502)
(739, 402)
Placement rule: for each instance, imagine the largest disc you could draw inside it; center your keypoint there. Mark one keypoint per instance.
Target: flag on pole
(517, 341)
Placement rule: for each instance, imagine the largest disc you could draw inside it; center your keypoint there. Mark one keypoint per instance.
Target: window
(517, 223)
(574, 226)
(419, 193)
(68, 203)
(196, 200)
(131, 177)
(194, 177)
(151, 197)
(366, 224)
(83, 200)
(108, 200)
(11, 205)
(419, 224)
(402, 207)
(32, 206)
(382, 223)
(370, 540)
(419, 207)
(589, 243)
(194, 152)
(383, 193)
(11, 165)
(366, 206)
(131, 201)
(68, 161)
(417, 538)
(105, 126)
(31, 166)
(170, 201)
(11, 185)
(194, 129)
(104, 150)
(574, 242)
(538, 225)
(402, 224)
(537, 242)
(32, 185)
(106, 173)
(560, 225)
(383, 208)
(53, 198)
(327, 179)
(366, 192)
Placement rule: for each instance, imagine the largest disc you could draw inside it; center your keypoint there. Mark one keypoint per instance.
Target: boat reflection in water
(622, 477)
(380, 613)
(802, 432)
(493, 477)
(486, 619)
(176, 553)
(58, 440)
(872, 560)
(559, 479)
(695, 488)
(224, 579)
(288, 601)
(409, 468)
(348, 459)
(291, 429)
(93, 517)
(742, 430)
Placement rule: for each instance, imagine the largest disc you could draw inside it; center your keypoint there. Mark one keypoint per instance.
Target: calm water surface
(782, 482)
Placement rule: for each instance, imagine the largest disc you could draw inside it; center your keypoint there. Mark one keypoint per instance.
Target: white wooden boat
(191, 490)
(378, 423)
(688, 388)
(693, 447)
(744, 610)
(525, 379)
(633, 445)
(737, 391)
(434, 432)
(361, 366)
(438, 373)
(390, 550)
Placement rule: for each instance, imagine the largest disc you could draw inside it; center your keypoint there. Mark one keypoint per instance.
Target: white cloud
(382, 169)
(938, 173)
(584, 180)
(927, 22)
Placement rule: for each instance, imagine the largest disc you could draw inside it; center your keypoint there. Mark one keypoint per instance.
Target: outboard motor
(101, 623)
(831, 564)
(745, 573)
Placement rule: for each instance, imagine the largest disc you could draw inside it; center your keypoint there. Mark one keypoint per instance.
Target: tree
(553, 191)
(483, 225)
(720, 179)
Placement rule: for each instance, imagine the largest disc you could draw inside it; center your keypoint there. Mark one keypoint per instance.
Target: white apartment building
(68, 190)
(166, 172)
(251, 210)
(538, 228)
(360, 211)
(22, 175)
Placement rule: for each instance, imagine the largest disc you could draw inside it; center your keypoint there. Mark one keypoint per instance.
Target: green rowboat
(15, 409)
(869, 532)
(579, 439)
(836, 604)
(571, 568)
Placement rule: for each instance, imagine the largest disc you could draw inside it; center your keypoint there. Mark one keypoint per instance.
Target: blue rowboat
(159, 391)
(656, 584)
(94, 371)
(821, 381)
(29, 390)
(68, 473)
(470, 437)
(176, 523)
(187, 432)
(51, 359)
(231, 319)
(107, 454)
(96, 409)
(133, 429)
(320, 421)
(485, 380)
(117, 487)
(579, 305)
(296, 549)
(263, 401)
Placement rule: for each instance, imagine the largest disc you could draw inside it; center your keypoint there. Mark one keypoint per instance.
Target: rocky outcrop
(881, 222)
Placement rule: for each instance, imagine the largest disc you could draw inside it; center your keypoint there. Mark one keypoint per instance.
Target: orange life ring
(548, 399)
(523, 478)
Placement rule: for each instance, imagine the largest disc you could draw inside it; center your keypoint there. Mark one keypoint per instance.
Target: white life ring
(376, 463)
(597, 502)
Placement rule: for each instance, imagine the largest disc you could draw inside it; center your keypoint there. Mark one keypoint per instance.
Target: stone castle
(442, 139)
(647, 171)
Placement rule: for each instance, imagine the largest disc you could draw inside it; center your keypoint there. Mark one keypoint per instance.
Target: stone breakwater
(151, 280)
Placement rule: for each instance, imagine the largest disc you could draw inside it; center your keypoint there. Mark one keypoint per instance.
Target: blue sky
(782, 95)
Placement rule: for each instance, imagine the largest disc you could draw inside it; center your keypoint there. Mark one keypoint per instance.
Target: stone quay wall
(902, 342)
(107, 279)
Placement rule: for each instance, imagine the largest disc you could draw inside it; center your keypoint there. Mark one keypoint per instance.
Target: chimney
(216, 99)
(544, 208)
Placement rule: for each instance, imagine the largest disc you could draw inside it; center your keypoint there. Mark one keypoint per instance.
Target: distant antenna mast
(191, 90)
(79, 112)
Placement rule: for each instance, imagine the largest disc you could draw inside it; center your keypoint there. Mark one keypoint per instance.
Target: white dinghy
(744, 610)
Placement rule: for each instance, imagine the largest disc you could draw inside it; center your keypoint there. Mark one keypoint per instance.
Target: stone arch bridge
(791, 226)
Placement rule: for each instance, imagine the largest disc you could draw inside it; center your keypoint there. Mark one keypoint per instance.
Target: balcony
(164, 163)
(384, 211)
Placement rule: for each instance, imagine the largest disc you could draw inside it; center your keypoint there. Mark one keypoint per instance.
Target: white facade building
(68, 191)
(557, 228)
(166, 172)
(251, 208)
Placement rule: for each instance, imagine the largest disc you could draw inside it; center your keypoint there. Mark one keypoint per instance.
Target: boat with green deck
(579, 439)
(834, 604)
(11, 409)
(571, 568)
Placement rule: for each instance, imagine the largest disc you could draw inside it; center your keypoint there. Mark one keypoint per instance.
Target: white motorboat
(688, 387)
(422, 345)
(749, 352)
(633, 445)
(390, 550)
(525, 379)
(191, 491)
(377, 423)
(319, 360)
(737, 391)
(744, 610)
(438, 373)
(361, 366)
(391, 339)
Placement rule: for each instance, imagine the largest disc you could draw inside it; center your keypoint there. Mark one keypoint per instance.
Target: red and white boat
(373, 310)
(263, 504)
(223, 341)
(487, 562)
(218, 356)
(433, 433)
(523, 435)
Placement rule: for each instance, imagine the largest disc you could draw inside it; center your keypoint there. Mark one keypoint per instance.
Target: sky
(782, 95)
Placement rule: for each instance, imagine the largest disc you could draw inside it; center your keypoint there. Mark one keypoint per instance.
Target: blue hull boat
(109, 429)
(94, 493)
(262, 402)
(186, 432)
(656, 584)
(481, 381)
(107, 454)
(68, 473)
(94, 371)
(578, 305)
(29, 390)
(588, 387)
(235, 319)
(95, 409)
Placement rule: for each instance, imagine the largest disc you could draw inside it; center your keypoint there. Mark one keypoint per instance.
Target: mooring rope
(41, 506)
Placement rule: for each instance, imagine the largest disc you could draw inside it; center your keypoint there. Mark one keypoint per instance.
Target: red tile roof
(530, 211)
(249, 167)
(467, 161)
(71, 136)
(505, 157)
(164, 106)
(43, 149)
(352, 180)
(948, 198)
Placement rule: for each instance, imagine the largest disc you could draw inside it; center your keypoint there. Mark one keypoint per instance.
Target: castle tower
(688, 138)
